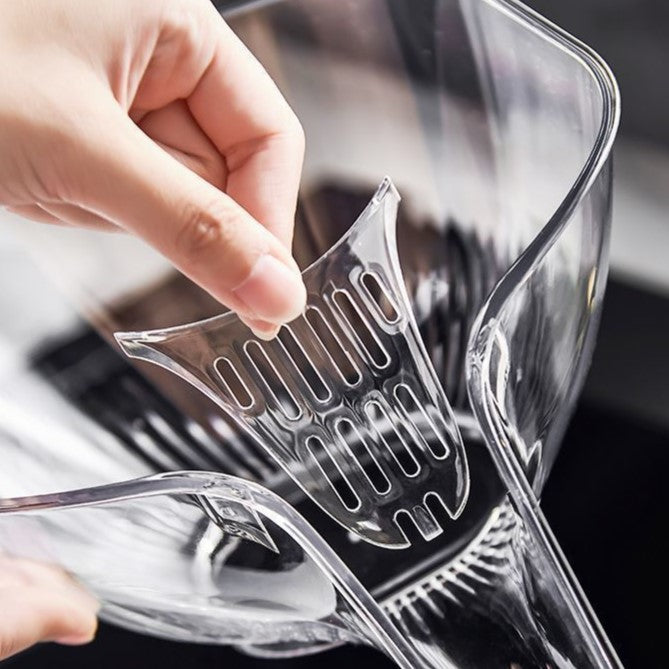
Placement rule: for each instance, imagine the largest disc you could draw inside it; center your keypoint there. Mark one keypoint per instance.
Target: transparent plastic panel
(202, 558)
(536, 337)
(207, 558)
(345, 399)
(553, 135)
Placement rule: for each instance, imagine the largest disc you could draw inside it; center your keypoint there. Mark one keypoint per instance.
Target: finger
(35, 213)
(76, 216)
(32, 614)
(63, 215)
(175, 129)
(203, 231)
(240, 108)
(15, 571)
(237, 105)
(262, 329)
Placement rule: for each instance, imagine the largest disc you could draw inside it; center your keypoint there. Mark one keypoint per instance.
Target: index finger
(242, 111)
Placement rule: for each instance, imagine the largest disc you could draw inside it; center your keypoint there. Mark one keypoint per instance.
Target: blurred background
(630, 368)
(605, 499)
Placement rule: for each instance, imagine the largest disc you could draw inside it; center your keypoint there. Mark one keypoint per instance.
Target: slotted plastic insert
(345, 399)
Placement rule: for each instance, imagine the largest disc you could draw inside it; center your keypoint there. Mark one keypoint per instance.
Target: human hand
(154, 118)
(41, 603)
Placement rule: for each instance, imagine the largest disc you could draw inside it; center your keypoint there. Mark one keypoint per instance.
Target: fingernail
(262, 329)
(272, 291)
(77, 639)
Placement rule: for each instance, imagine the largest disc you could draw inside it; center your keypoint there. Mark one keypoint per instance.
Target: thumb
(30, 614)
(199, 228)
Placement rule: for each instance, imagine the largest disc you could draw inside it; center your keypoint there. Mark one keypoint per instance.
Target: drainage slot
(305, 367)
(233, 383)
(376, 290)
(272, 380)
(352, 439)
(360, 331)
(394, 437)
(426, 428)
(334, 350)
(331, 471)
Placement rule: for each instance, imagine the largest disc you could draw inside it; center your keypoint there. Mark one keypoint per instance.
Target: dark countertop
(606, 501)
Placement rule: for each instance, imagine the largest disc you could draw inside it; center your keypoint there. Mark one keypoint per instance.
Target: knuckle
(203, 231)
(184, 17)
(177, 17)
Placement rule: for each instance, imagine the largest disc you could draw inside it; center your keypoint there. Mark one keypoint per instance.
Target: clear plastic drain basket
(496, 128)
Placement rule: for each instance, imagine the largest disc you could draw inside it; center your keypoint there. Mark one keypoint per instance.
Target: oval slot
(360, 331)
(435, 505)
(233, 383)
(335, 476)
(405, 523)
(415, 412)
(272, 380)
(361, 452)
(393, 438)
(304, 365)
(376, 290)
(333, 348)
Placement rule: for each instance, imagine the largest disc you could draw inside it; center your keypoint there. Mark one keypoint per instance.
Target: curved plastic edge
(482, 336)
(381, 631)
(590, 171)
(131, 341)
